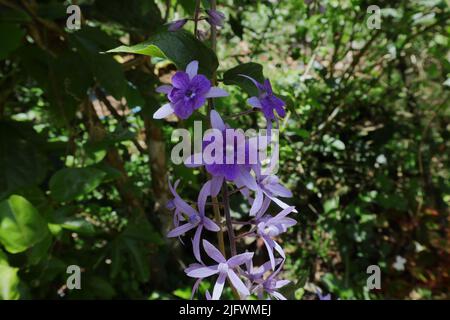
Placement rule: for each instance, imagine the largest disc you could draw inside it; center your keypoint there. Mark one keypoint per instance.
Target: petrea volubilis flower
(187, 93)
(256, 273)
(269, 227)
(196, 219)
(225, 269)
(266, 100)
(177, 24)
(270, 285)
(237, 172)
(215, 18)
(268, 189)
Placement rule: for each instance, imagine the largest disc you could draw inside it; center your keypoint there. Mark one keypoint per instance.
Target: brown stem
(230, 230)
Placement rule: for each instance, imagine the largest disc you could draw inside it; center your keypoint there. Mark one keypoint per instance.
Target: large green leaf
(22, 163)
(89, 42)
(11, 35)
(181, 47)
(70, 183)
(21, 226)
(251, 69)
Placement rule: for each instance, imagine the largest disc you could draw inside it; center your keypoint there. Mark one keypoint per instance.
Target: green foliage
(180, 47)
(251, 69)
(70, 183)
(21, 225)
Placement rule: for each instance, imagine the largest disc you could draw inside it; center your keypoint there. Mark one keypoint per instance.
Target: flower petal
(203, 196)
(281, 283)
(278, 295)
(216, 185)
(180, 230)
(195, 287)
(239, 259)
(216, 121)
(237, 283)
(196, 243)
(216, 92)
(210, 225)
(257, 203)
(184, 206)
(212, 252)
(281, 203)
(202, 272)
(247, 179)
(218, 287)
(166, 88)
(192, 69)
(254, 102)
(279, 190)
(180, 80)
(269, 245)
(163, 112)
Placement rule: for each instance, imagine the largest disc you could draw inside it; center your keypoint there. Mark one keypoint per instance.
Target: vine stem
(196, 14)
(225, 201)
(215, 202)
(229, 222)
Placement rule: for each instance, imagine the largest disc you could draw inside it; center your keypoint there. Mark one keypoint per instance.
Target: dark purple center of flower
(270, 284)
(190, 94)
(194, 219)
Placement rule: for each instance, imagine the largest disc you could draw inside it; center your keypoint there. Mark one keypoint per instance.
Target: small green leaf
(251, 69)
(70, 183)
(181, 47)
(9, 282)
(21, 226)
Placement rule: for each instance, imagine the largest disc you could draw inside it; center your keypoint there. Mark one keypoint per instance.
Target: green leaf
(70, 183)
(181, 47)
(9, 283)
(110, 75)
(331, 204)
(138, 259)
(40, 250)
(22, 162)
(21, 226)
(141, 229)
(11, 35)
(78, 225)
(251, 69)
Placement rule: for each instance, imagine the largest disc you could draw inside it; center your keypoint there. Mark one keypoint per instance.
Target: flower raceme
(229, 162)
(187, 93)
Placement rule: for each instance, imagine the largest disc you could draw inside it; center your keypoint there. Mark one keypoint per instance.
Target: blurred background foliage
(364, 147)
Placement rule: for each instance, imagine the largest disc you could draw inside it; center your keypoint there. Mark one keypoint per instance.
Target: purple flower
(268, 186)
(256, 273)
(270, 285)
(235, 171)
(215, 18)
(325, 297)
(177, 24)
(224, 268)
(266, 100)
(187, 93)
(269, 227)
(195, 219)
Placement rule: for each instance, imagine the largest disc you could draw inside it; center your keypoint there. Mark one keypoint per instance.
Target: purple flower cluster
(188, 92)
